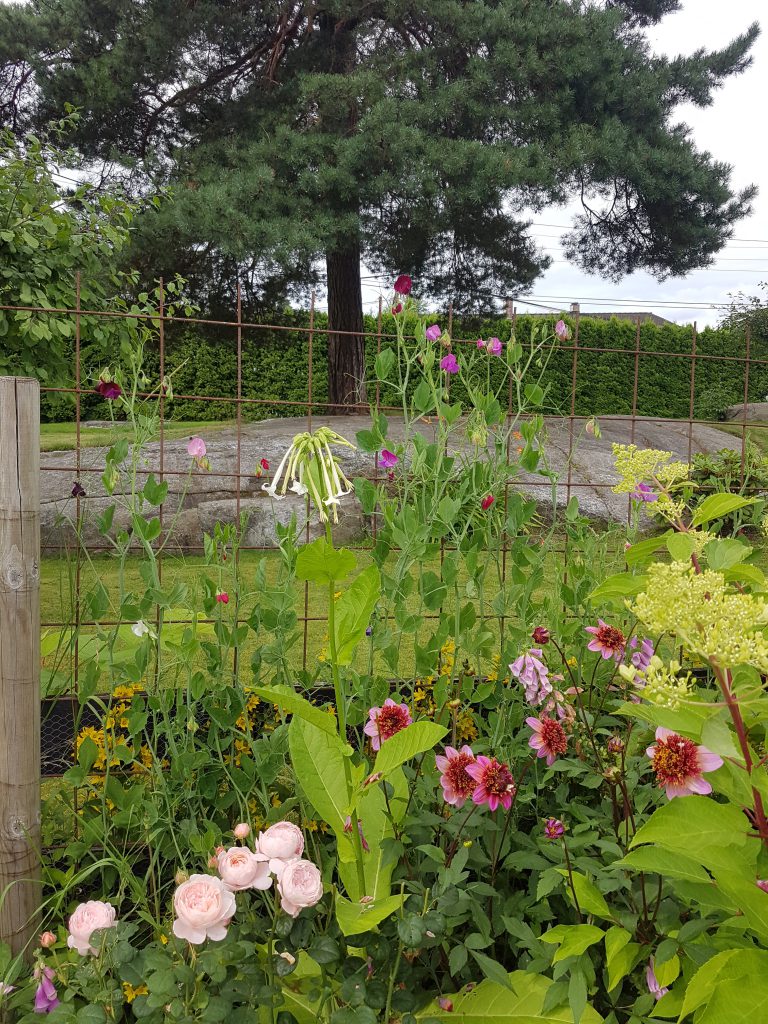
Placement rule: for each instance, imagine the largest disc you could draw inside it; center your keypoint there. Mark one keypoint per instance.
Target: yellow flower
(130, 992)
(276, 801)
(571, 662)
(465, 727)
(164, 939)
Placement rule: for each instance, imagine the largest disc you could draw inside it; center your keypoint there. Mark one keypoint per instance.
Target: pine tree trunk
(346, 352)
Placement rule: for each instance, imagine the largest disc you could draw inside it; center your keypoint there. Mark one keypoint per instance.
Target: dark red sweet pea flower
(403, 285)
(264, 465)
(398, 308)
(108, 389)
(78, 491)
(541, 635)
(487, 501)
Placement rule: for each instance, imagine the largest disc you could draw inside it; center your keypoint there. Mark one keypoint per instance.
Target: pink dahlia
(449, 363)
(678, 764)
(386, 721)
(456, 781)
(549, 739)
(607, 640)
(196, 447)
(554, 828)
(495, 784)
(533, 674)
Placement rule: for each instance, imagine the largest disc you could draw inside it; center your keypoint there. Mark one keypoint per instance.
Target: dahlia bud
(541, 635)
(615, 745)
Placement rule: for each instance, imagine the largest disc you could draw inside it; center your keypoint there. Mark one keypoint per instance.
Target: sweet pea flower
(433, 332)
(678, 764)
(78, 491)
(300, 885)
(222, 597)
(196, 448)
(86, 919)
(141, 629)
(562, 330)
(487, 501)
(203, 906)
(397, 308)
(449, 363)
(386, 721)
(494, 346)
(403, 285)
(533, 674)
(108, 389)
(46, 998)
(644, 493)
(480, 343)
(387, 459)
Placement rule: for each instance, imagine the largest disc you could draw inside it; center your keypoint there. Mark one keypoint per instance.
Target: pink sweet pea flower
(403, 285)
(653, 986)
(387, 459)
(222, 597)
(433, 333)
(487, 501)
(196, 448)
(549, 739)
(397, 308)
(386, 721)
(458, 785)
(678, 764)
(449, 364)
(607, 640)
(533, 674)
(480, 343)
(762, 883)
(495, 784)
(494, 346)
(562, 330)
(644, 493)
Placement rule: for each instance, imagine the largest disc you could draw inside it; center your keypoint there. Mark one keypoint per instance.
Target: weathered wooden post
(19, 659)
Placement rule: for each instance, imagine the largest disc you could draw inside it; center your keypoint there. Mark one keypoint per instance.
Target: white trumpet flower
(310, 467)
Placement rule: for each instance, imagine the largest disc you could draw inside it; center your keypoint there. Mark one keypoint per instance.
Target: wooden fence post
(19, 660)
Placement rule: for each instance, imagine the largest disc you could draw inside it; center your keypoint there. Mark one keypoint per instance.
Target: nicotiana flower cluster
(713, 621)
(310, 467)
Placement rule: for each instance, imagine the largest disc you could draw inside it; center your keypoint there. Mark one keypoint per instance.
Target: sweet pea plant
(559, 817)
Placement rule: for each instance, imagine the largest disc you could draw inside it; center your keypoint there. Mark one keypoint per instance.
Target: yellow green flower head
(636, 465)
(713, 621)
(664, 685)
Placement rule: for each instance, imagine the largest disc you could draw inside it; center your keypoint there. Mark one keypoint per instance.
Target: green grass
(756, 433)
(62, 437)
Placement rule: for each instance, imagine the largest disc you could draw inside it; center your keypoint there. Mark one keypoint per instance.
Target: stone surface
(752, 412)
(208, 497)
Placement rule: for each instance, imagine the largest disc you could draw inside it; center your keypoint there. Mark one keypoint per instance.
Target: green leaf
(681, 546)
(319, 562)
(591, 900)
(288, 700)
(318, 761)
(355, 918)
(696, 826)
(645, 550)
(413, 740)
(618, 588)
(377, 825)
(573, 939)
(353, 612)
(724, 554)
(492, 969)
(87, 752)
(384, 363)
(433, 591)
(491, 1003)
(621, 955)
(154, 492)
(662, 862)
(715, 506)
(747, 968)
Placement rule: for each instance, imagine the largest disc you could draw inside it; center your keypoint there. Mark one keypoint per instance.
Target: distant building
(620, 314)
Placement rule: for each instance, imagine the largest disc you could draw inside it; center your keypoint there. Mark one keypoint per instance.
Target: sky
(732, 130)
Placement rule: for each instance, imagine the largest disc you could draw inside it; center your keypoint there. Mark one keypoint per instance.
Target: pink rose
(300, 885)
(204, 906)
(196, 447)
(242, 831)
(240, 869)
(281, 842)
(88, 918)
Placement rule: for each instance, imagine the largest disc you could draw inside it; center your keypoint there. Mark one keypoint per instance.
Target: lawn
(62, 437)
(757, 433)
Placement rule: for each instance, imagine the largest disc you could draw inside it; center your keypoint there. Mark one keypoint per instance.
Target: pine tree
(409, 133)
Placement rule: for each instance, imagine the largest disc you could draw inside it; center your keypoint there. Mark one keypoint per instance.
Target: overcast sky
(733, 130)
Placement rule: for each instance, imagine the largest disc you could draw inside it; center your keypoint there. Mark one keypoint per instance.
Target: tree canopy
(411, 135)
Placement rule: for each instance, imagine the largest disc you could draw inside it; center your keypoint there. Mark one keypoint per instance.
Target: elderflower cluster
(716, 623)
(636, 465)
(662, 684)
(312, 468)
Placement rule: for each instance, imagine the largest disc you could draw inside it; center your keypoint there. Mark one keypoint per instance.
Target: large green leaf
(590, 899)
(663, 862)
(715, 506)
(730, 969)
(644, 550)
(413, 740)
(353, 612)
(618, 588)
(573, 939)
(355, 918)
(318, 761)
(714, 834)
(621, 954)
(374, 818)
(490, 1003)
(295, 986)
(320, 562)
(288, 700)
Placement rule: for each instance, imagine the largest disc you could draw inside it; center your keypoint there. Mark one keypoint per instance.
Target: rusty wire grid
(61, 719)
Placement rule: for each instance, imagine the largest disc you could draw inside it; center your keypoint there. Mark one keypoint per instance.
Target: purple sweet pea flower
(433, 332)
(108, 389)
(387, 459)
(78, 491)
(449, 363)
(562, 330)
(494, 346)
(644, 493)
(45, 996)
